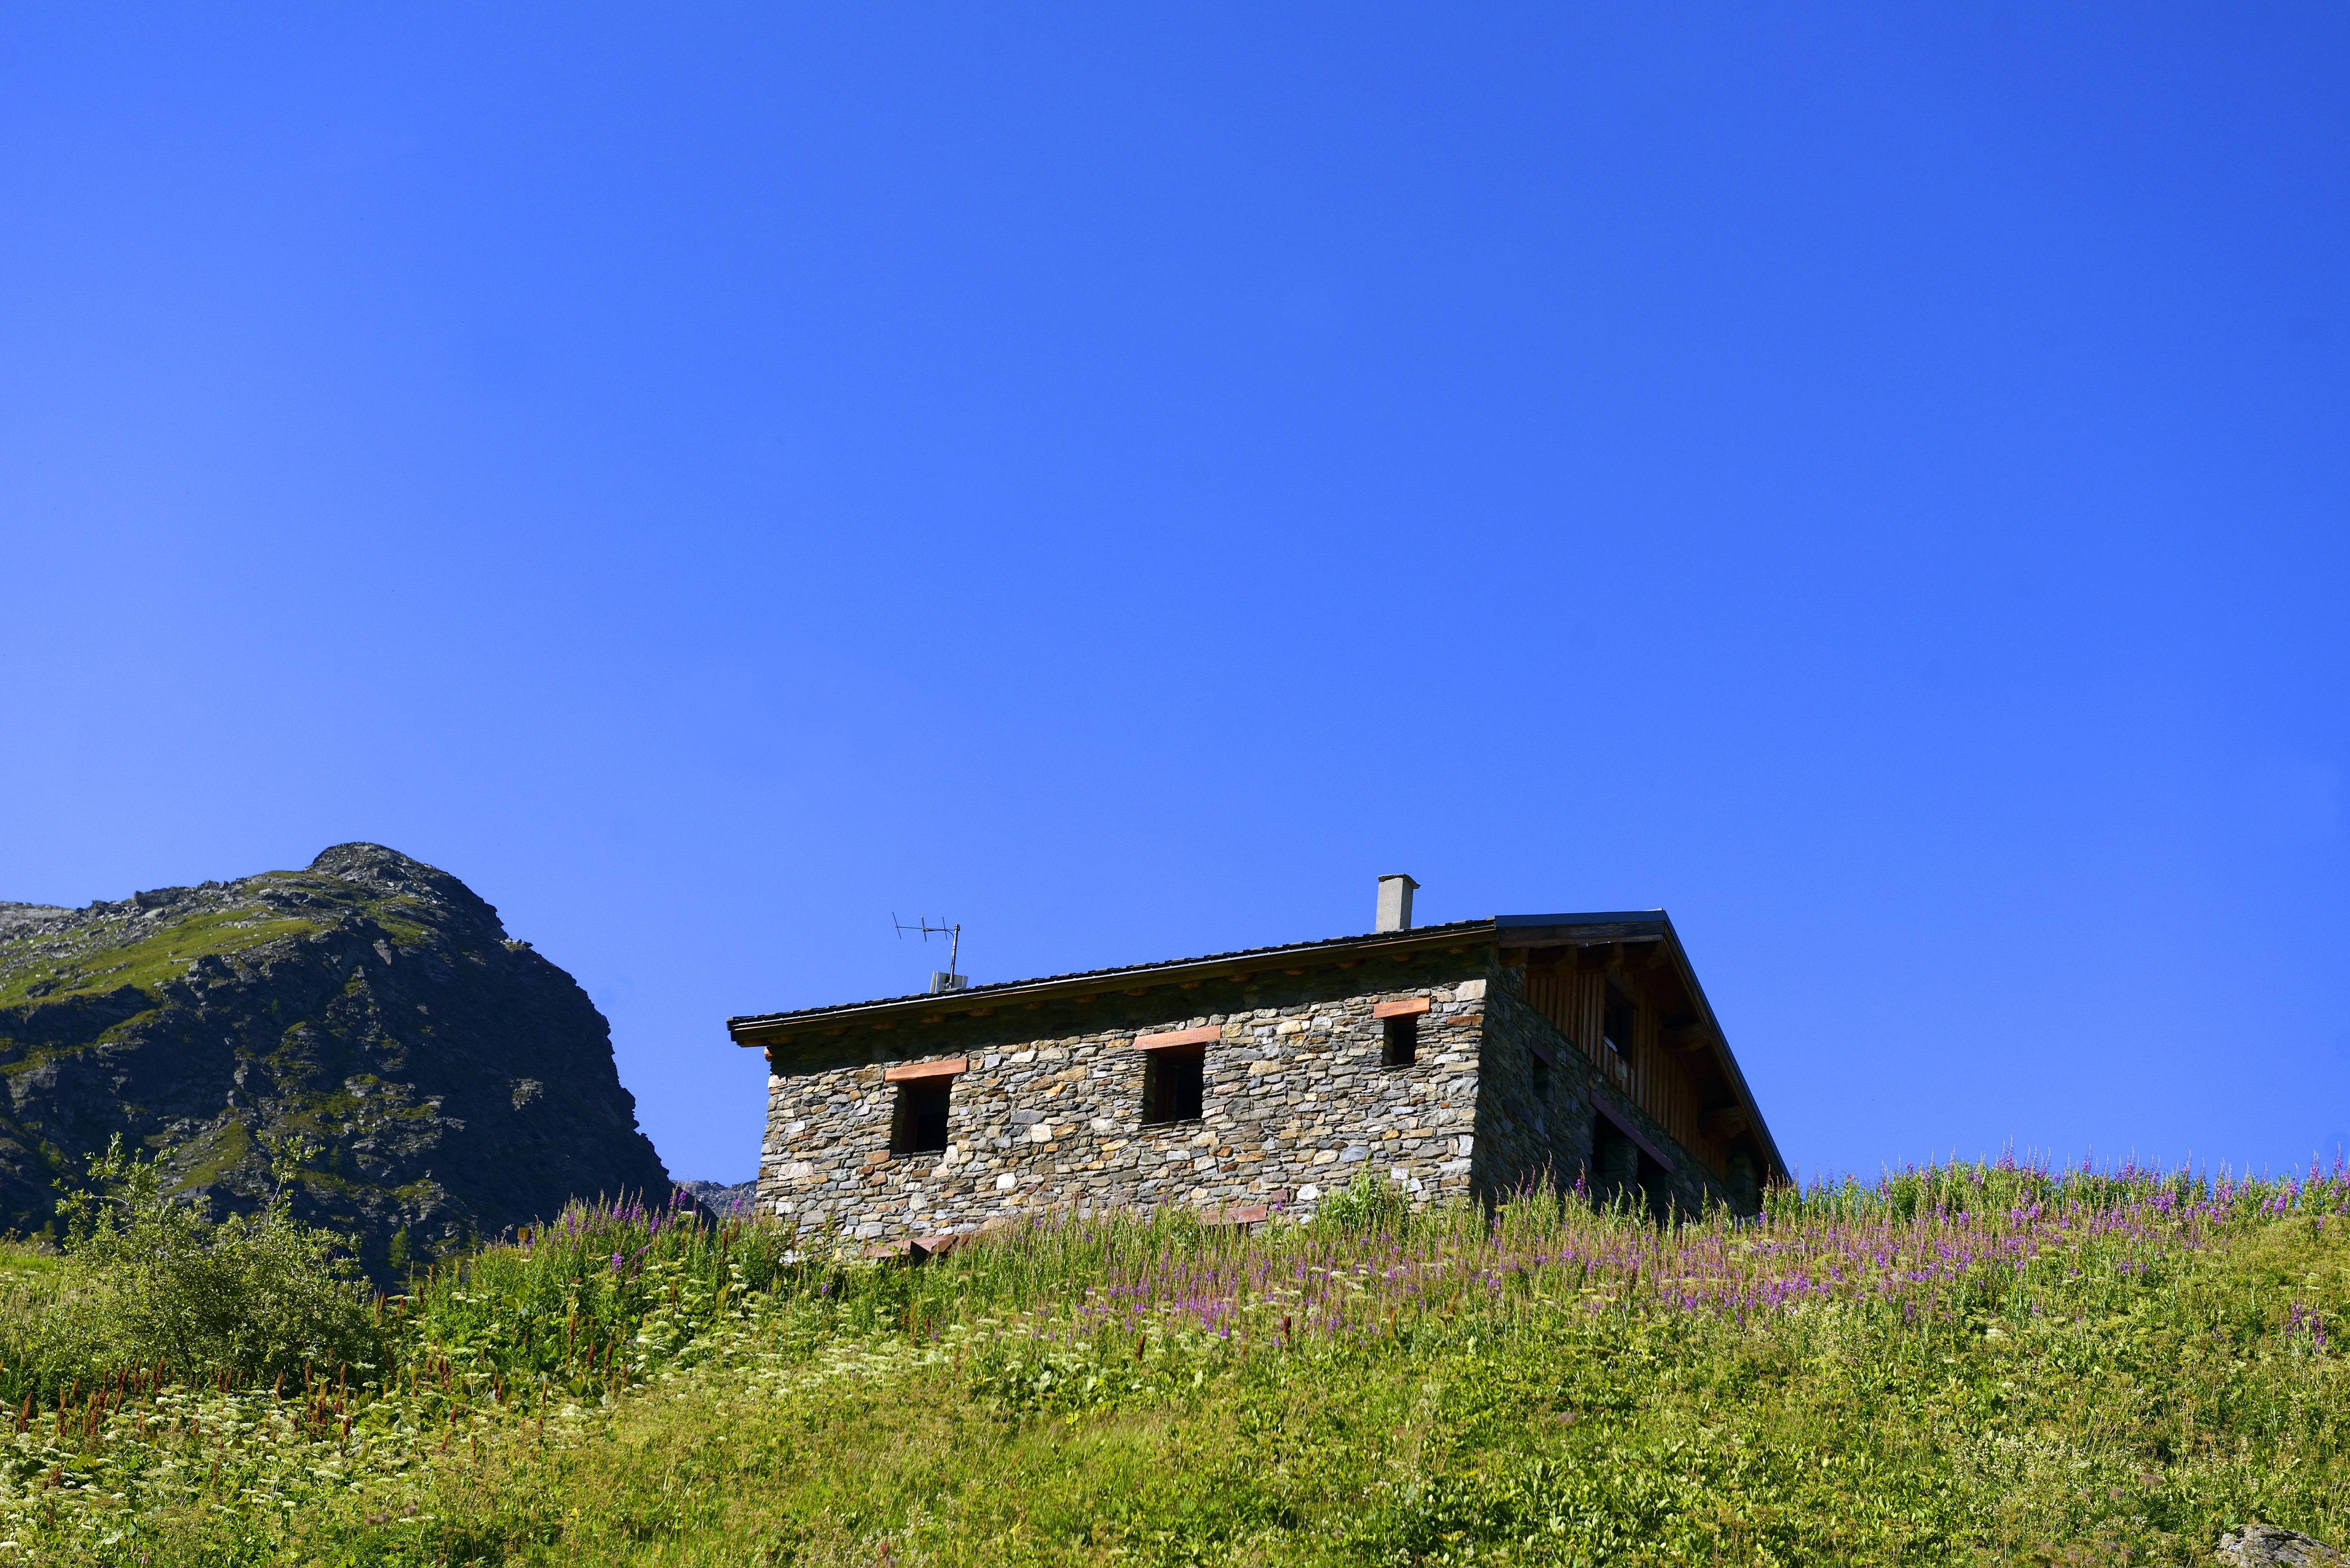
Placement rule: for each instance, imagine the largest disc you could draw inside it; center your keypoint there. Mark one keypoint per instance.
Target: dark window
(1541, 1076)
(1173, 1084)
(1618, 1029)
(1402, 1039)
(919, 1126)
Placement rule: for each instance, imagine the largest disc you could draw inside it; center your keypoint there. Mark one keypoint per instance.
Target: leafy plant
(1369, 1203)
(254, 1296)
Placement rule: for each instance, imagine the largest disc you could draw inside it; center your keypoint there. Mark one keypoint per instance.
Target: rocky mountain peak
(455, 1081)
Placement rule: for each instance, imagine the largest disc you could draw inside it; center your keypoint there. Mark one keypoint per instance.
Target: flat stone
(2266, 1543)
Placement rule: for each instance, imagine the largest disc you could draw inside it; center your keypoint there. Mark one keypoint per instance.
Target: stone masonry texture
(1297, 1103)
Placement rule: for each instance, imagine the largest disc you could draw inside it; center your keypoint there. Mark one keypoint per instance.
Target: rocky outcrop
(724, 1199)
(455, 1082)
(2258, 1545)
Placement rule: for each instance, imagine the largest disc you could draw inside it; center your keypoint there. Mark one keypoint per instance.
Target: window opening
(1541, 1077)
(1174, 1085)
(1616, 1033)
(1403, 1039)
(919, 1124)
(1616, 1164)
(1615, 1029)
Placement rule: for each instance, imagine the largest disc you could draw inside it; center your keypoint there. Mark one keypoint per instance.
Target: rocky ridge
(724, 1199)
(455, 1082)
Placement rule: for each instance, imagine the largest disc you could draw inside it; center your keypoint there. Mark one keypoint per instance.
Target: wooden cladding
(1647, 1075)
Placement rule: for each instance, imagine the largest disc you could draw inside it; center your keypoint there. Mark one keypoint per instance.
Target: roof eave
(1644, 926)
(775, 1028)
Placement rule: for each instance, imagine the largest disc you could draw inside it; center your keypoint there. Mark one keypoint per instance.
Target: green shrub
(252, 1296)
(1369, 1203)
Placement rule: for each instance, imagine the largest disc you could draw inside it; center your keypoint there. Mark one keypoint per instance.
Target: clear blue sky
(1871, 481)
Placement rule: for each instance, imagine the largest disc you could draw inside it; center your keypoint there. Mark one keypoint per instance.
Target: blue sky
(1870, 481)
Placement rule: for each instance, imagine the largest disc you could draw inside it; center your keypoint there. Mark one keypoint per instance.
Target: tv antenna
(941, 980)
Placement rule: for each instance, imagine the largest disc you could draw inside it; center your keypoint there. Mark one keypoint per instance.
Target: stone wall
(1297, 1103)
(1527, 1141)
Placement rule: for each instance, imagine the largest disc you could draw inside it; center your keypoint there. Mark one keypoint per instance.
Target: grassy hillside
(1964, 1365)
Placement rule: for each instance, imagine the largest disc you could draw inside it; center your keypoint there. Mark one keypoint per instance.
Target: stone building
(1477, 1058)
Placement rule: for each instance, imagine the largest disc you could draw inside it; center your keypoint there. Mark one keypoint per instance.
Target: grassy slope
(2122, 1439)
(2121, 1398)
(133, 949)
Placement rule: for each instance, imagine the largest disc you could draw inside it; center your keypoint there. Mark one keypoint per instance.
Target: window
(1616, 1023)
(1400, 1029)
(1402, 1035)
(1174, 1083)
(919, 1123)
(1541, 1072)
(1616, 1028)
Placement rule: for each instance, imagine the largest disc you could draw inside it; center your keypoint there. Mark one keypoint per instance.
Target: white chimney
(1394, 902)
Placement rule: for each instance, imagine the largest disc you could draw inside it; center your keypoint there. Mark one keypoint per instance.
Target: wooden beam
(1684, 1038)
(915, 1072)
(1176, 1039)
(1606, 1107)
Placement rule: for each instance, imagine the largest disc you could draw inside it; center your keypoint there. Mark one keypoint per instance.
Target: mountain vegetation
(1969, 1365)
(444, 1081)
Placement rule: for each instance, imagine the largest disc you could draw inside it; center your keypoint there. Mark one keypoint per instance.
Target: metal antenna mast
(943, 980)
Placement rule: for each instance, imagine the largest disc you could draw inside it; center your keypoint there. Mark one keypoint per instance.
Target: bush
(253, 1296)
(1369, 1203)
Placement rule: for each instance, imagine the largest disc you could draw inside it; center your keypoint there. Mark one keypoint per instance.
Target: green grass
(130, 950)
(136, 958)
(1963, 1365)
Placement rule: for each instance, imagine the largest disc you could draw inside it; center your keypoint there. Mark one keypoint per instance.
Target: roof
(1385, 940)
(1583, 928)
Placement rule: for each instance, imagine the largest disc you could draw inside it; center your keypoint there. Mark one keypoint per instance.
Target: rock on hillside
(455, 1081)
(2256, 1545)
(721, 1199)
